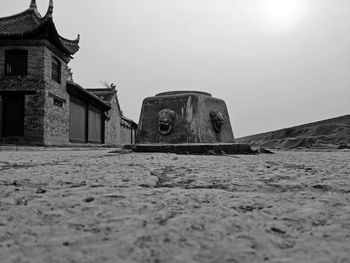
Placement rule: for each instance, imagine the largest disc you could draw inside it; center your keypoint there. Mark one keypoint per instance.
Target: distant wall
(127, 132)
(345, 119)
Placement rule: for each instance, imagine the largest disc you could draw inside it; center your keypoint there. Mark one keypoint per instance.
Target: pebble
(89, 199)
(40, 191)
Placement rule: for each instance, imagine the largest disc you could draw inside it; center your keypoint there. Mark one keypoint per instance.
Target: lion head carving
(166, 118)
(217, 120)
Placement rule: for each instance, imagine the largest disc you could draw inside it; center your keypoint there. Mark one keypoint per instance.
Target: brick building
(39, 102)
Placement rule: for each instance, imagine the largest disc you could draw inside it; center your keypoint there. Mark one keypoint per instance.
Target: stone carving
(166, 118)
(217, 120)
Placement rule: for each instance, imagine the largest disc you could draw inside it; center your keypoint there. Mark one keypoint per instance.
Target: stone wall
(1, 112)
(112, 124)
(125, 135)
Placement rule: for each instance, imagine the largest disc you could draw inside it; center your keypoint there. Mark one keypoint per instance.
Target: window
(57, 103)
(16, 62)
(56, 70)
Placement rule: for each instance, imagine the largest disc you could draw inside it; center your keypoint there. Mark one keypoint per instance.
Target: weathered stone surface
(112, 124)
(184, 117)
(284, 207)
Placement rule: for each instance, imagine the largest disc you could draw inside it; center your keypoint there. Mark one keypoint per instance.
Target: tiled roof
(107, 94)
(30, 23)
(78, 91)
(104, 93)
(71, 45)
(129, 122)
(20, 23)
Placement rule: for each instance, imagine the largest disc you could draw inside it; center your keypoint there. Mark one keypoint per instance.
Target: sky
(276, 63)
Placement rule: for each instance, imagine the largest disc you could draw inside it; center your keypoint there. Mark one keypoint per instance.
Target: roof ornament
(50, 9)
(33, 4)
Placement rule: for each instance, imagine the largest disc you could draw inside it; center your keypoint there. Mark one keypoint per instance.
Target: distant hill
(330, 133)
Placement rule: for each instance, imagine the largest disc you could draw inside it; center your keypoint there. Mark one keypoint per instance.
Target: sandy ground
(94, 206)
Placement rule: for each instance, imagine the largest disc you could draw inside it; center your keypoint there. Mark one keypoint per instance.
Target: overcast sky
(276, 63)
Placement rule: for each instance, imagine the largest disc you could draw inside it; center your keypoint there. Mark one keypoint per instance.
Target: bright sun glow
(281, 9)
(280, 15)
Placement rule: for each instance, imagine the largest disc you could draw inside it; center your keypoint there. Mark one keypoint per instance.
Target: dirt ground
(94, 206)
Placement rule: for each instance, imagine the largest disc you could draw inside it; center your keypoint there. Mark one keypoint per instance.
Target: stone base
(192, 148)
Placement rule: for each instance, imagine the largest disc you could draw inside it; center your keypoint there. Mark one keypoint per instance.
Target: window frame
(17, 67)
(57, 103)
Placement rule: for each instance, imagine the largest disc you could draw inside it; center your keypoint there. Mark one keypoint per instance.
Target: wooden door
(95, 125)
(77, 121)
(13, 115)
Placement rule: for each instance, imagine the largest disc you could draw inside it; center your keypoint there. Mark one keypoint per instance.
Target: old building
(39, 102)
(119, 130)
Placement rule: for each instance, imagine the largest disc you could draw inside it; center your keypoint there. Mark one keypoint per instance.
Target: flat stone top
(181, 92)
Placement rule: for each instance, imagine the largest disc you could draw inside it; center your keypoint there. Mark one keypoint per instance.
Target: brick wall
(56, 117)
(44, 122)
(33, 81)
(35, 60)
(46, 119)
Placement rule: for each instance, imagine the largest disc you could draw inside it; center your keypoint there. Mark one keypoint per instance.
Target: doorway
(13, 115)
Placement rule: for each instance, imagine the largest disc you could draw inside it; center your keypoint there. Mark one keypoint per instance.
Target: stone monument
(185, 122)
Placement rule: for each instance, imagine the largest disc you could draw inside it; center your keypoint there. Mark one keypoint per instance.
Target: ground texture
(96, 206)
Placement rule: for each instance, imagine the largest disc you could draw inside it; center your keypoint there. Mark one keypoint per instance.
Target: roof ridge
(32, 9)
(74, 41)
(49, 9)
(30, 21)
(19, 14)
(72, 83)
(99, 89)
(33, 4)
